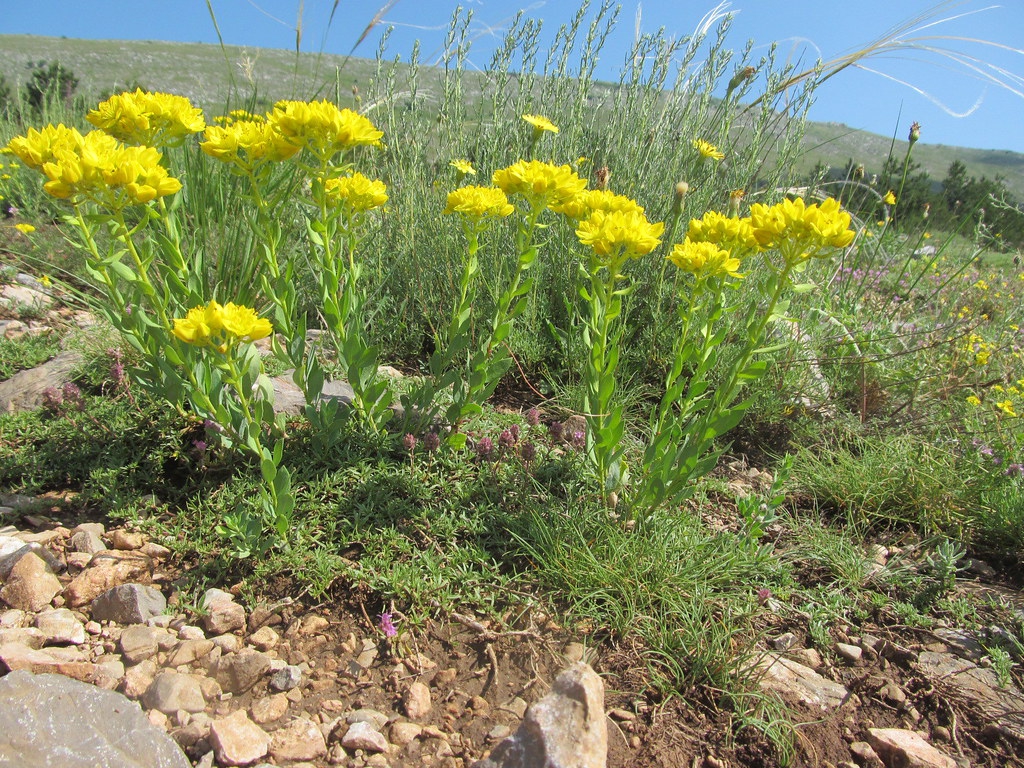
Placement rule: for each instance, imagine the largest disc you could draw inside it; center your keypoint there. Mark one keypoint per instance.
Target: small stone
(404, 733)
(236, 740)
(137, 679)
(784, 642)
(299, 740)
(940, 733)
(264, 638)
(623, 715)
(224, 616)
(313, 624)
(416, 701)
(851, 653)
(498, 732)
(907, 748)
(445, 676)
(865, 755)
(286, 678)
(377, 719)
(106, 570)
(31, 584)
(139, 642)
(87, 542)
(128, 604)
(60, 627)
(188, 652)
(238, 672)
(807, 656)
(269, 709)
(170, 692)
(190, 632)
(125, 540)
(892, 693)
(228, 643)
(363, 735)
(574, 652)
(516, 706)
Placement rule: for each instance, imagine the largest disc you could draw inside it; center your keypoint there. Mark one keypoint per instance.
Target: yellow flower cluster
(619, 235)
(981, 349)
(802, 231)
(221, 326)
(540, 124)
(590, 200)
(322, 127)
(356, 193)
(476, 203)
(704, 259)
(544, 185)
(148, 119)
(730, 233)
(94, 166)
(247, 144)
(464, 167)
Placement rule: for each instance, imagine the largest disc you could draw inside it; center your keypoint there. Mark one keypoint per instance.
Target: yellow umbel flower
(356, 193)
(707, 150)
(542, 184)
(476, 203)
(26, 229)
(464, 167)
(221, 326)
(540, 124)
(149, 119)
(731, 234)
(704, 259)
(890, 198)
(247, 144)
(590, 200)
(1006, 406)
(801, 231)
(322, 127)
(619, 235)
(36, 148)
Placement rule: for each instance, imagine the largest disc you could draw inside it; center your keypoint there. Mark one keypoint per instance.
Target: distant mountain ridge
(204, 72)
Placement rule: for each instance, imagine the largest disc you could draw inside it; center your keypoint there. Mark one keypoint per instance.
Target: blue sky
(989, 116)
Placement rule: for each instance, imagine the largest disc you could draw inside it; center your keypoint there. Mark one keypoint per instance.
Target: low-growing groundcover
(585, 321)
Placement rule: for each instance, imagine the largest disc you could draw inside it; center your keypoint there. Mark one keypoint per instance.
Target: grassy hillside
(205, 73)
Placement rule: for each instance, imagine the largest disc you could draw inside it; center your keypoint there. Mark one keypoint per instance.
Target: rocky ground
(289, 683)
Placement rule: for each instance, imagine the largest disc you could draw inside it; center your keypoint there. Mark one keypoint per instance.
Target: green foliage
(50, 82)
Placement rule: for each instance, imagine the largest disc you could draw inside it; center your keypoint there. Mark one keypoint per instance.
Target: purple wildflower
(528, 451)
(533, 417)
(409, 442)
(505, 440)
(52, 399)
(484, 448)
(387, 625)
(578, 439)
(431, 442)
(763, 595)
(555, 430)
(73, 396)
(514, 432)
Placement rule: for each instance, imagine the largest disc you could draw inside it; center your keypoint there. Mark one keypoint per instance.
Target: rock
(362, 735)
(51, 720)
(31, 584)
(808, 686)
(87, 542)
(28, 636)
(171, 691)
(807, 656)
(784, 642)
(286, 678)
(128, 604)
(906, 749)
(961, 679)
(188, 652)
(264, 638)
(416, 701)
(223, 614)
(238, 672)
(126, 540)
(565, 729)
(60, 627)
(404, 733)
(15, 656)
(138, 679)
(24, 390)
(865, 755)
(139, 642)
(106, 570)
(269, 709)
(851, 653)
(301, 739)
(377, 719)
(237, 740)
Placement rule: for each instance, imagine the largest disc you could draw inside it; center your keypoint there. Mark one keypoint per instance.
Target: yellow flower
(974, 400)
(704, 259)
(356, 193)
(477, 202)
(322, 127)
(1006, 406)
(25, 229)
(540, 124)
(36, 148)
(247, 144)
(221, 326)
(590, 200)
(619, 235)
(149, 119)
(890, 198)
(542, 184)
(45, 281)
(731, 234)
(464, 167)
(707, 150)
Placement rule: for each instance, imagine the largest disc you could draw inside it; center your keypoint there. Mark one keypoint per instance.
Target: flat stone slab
(51, 720)
(965, 680)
